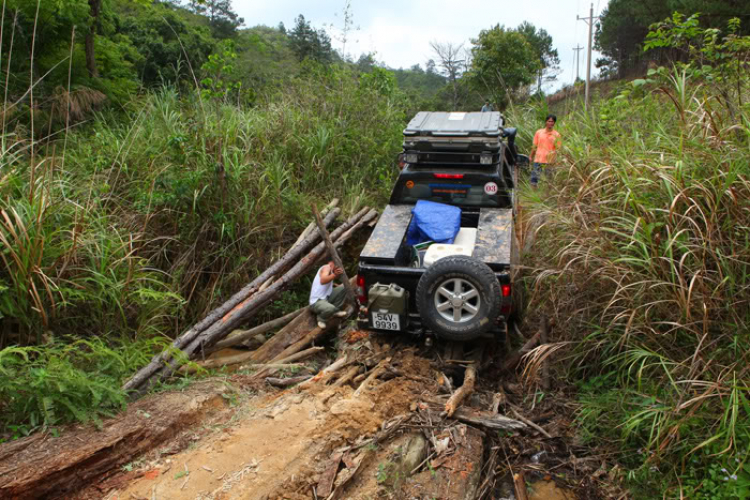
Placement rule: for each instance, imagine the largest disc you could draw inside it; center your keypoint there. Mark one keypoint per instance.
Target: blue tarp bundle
(432, 221)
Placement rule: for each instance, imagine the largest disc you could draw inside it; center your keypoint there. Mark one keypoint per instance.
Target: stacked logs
(207, 335)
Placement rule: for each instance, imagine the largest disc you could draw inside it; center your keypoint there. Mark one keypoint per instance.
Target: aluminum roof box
(457, 124)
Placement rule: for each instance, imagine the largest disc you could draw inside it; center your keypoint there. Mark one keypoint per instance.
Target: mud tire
(449, 279)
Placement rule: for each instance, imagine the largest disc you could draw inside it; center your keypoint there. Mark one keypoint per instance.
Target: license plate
(382, 321)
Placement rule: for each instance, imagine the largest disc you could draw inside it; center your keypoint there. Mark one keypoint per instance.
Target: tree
(167, 40)
(310, 43)
(366, 63)
(624, 24)
(452, 62)
(541, 41)
(503, 61)
(96, 7)
(222, 19)
(101, 59)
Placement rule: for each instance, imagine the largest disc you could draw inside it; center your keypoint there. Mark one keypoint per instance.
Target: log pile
(208, 334)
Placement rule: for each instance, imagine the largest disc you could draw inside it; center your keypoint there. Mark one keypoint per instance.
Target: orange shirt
(546, 143)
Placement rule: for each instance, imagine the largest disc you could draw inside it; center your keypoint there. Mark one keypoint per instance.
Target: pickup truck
(463, 289)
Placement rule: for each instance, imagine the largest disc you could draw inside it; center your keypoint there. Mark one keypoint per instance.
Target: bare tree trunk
(95, 6)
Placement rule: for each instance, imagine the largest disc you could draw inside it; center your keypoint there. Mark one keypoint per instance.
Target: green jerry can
(388, 307)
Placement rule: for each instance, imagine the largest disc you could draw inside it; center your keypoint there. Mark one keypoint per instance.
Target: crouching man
(325, 299)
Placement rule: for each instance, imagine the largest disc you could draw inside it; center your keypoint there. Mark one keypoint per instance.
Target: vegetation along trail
(160, 159)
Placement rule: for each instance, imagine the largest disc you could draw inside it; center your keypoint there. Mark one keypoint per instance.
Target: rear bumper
(414, 326)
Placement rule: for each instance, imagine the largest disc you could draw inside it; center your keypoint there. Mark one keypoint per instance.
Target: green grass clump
(644, 259)
(66, 380)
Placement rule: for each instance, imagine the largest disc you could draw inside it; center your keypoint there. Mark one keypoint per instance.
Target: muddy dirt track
(369, 425)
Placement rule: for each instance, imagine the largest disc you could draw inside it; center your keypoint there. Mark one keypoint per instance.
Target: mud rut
(371, 424)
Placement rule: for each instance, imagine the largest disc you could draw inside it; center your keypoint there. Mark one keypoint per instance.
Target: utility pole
(578, 50)
(590, 21)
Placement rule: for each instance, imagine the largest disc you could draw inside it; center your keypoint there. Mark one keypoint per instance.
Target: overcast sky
(399, 31)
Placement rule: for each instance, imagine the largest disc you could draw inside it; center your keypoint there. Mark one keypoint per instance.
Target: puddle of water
(548, 490)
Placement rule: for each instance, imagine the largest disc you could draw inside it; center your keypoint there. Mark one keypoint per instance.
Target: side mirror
(522, 160)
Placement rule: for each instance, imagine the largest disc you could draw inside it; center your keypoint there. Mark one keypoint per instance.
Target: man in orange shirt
(546, 143)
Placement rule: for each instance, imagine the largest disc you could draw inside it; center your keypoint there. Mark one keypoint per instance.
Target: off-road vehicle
(440, 259)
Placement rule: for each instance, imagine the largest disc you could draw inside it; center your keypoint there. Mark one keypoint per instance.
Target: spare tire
(458, 298)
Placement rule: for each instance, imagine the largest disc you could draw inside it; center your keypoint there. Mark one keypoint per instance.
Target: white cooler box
(463, 244)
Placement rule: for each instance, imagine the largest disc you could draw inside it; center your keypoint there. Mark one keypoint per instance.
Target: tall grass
(644, 259)
(161, 211)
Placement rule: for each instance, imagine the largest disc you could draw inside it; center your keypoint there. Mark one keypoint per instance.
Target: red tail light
(449, 176)
(506, 290)
(361, 294)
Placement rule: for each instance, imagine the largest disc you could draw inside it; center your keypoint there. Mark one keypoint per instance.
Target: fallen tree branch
(325, 373)
(530, 423)
(379, 369)
(286, 382)
(348, 376)
(487, 420)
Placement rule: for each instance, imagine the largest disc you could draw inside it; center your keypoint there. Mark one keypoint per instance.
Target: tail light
(449, 176)
(361, 294)
(505, 307)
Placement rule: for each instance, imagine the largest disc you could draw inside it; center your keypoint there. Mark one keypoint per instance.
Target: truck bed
(493, 244)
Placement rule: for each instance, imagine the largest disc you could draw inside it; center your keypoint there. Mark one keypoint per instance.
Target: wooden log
(292, 332)
(325, 373)
(241, 358)
(487, 420)
(244, 335)
(59, 467)
(300, 342)
(348, 376)
(350, 295)
(297, 356)
(240, 312)
(286, 382)
(467, 388)
(288, 358)
(157, 363)
(375, 373)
